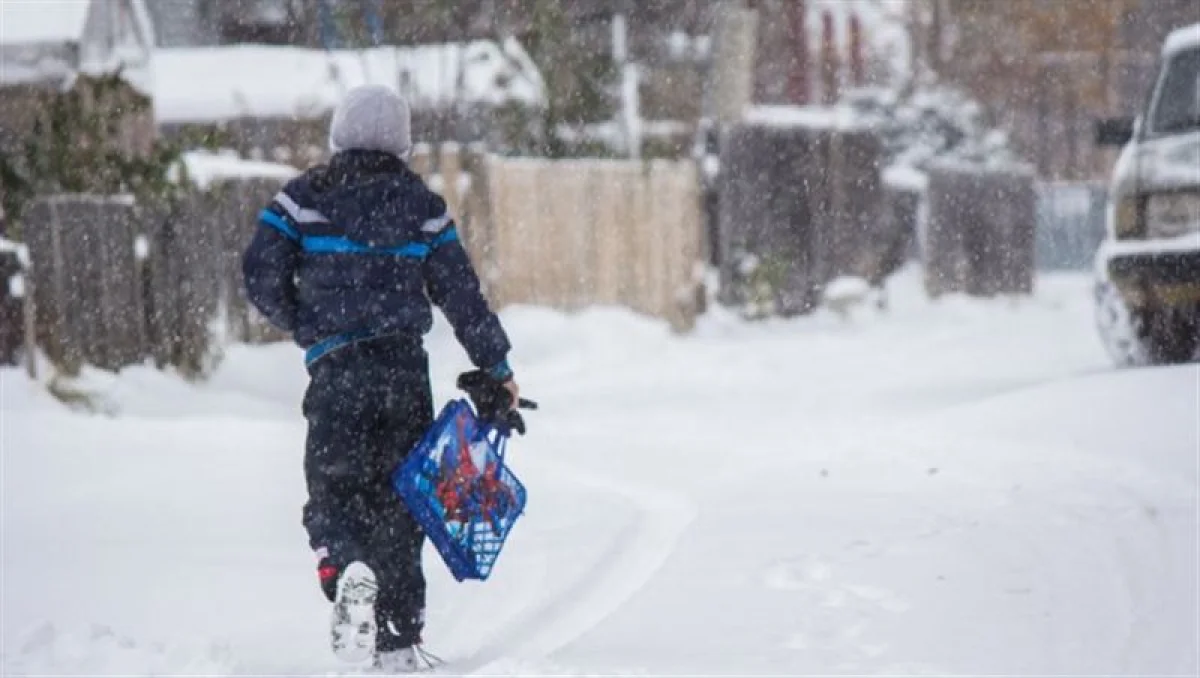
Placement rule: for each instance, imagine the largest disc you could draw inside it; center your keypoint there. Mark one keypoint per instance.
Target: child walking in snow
(348, 258)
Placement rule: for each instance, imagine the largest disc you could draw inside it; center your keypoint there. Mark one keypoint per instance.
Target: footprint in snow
(837, 615)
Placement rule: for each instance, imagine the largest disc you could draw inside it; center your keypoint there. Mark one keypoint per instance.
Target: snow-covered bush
(938, 123)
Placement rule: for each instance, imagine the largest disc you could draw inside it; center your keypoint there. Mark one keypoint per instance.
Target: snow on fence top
(205, 168)
(1182, 38)
(990, 164)
(812, 117)
(212, 84)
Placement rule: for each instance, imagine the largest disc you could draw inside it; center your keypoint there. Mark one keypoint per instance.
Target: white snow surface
(40, 21)
(213, 84)
(954, 487)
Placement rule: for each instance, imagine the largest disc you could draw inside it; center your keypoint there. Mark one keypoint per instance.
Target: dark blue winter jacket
(357, 249)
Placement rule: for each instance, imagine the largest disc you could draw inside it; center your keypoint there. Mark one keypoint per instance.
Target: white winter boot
(352, 625)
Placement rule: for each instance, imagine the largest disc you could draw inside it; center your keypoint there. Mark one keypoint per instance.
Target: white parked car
(1148, 267)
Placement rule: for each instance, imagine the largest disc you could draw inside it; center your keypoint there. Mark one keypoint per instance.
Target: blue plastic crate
(457, 486)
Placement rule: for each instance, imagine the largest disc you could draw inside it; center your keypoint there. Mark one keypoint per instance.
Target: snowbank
(205, 168)
(210, 84)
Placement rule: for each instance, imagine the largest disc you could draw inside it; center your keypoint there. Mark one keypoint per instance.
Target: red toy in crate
(457, 486)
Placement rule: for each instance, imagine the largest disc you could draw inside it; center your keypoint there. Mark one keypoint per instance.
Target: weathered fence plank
(83, 266)
(574, 233)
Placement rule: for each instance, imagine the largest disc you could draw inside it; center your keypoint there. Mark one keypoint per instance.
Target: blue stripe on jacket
(323, 244)
(327, 346)
(343, 245)
(445, 237)
(279, 224)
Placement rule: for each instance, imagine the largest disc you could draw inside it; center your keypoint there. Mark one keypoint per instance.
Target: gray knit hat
(372, 118)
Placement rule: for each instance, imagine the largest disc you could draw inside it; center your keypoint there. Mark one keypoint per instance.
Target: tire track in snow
(622, 570)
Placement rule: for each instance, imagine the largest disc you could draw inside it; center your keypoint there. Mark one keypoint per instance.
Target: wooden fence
(571, 234)
(118, 283)
(86, 280)
(193, 275)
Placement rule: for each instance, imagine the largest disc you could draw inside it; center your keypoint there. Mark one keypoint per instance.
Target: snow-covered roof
(208, 84)
(1182, 38)
(52, 40)
(24, 22)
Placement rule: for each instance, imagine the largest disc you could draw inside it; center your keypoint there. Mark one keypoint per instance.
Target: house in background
(200, 23)
(46, 46)
(254, 76)
(274, 102)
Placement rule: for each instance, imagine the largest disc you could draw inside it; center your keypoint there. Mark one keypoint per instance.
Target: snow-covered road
(959, 487)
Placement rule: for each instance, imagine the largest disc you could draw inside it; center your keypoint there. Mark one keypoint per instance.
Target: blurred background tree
(1046, 69)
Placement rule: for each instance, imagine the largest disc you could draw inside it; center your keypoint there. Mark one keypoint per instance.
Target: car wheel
(1122, 331)
(1173, 338)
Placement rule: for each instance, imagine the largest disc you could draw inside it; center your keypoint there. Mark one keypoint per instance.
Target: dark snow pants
(367, 405)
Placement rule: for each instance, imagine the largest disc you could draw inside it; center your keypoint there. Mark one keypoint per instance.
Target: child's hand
(495, 402)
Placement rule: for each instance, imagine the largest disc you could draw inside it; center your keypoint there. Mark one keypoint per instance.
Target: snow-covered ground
(959, 487)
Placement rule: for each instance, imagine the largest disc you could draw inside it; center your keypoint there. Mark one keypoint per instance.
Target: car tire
(1172, 338)
(1122, 331)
